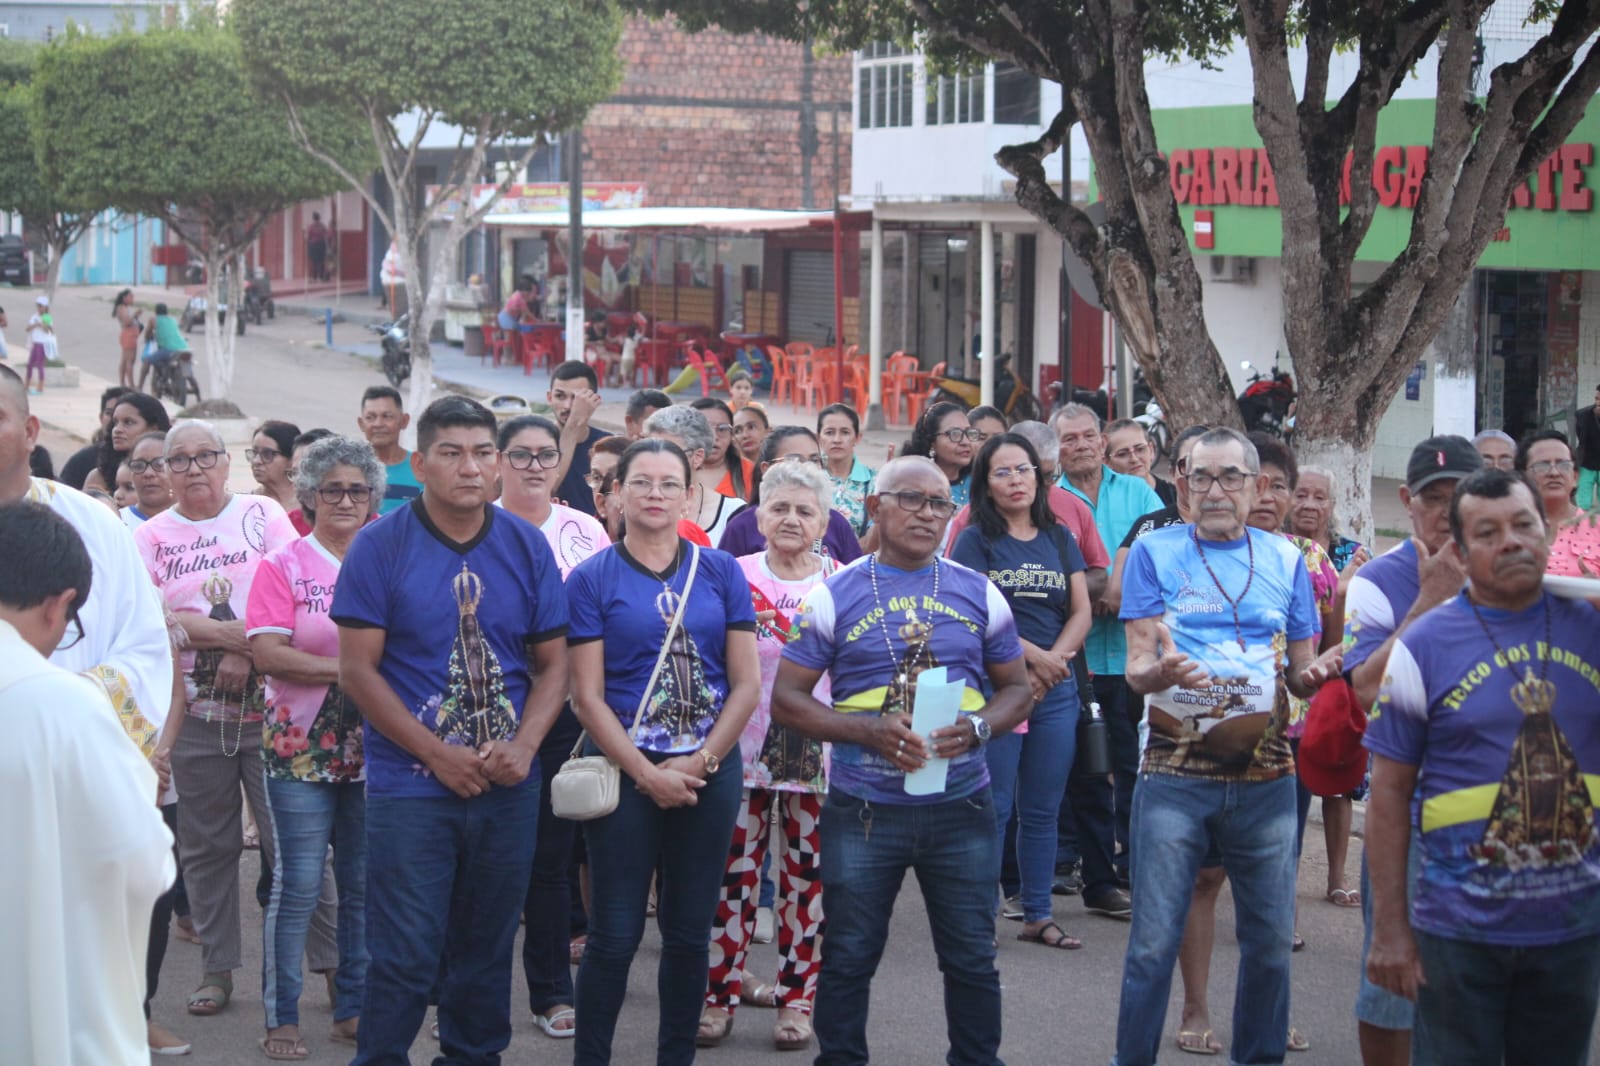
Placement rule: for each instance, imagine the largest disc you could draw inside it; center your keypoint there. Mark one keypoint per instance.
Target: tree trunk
(52, 269)
(219, 366)
(230, 336)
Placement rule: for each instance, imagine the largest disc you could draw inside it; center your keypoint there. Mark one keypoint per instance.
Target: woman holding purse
(665, 677)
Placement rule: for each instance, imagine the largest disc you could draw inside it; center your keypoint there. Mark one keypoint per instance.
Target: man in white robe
(125, 645)
(87, 853)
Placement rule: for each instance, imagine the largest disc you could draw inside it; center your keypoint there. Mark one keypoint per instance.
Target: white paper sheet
(937, 704)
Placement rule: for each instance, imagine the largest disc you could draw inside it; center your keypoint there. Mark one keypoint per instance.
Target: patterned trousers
(799, 900)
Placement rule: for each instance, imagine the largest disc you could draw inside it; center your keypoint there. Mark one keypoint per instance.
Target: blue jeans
(446, 878)
(1252, 824)
(306, 817)
(690, 845)
(1031, 769)
(866, 850)
(1093, 810)
(1376, 1005)
(547, 908)
(1489, 1004)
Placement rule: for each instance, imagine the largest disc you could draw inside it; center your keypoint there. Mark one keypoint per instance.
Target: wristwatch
(711, 761)
(980, 729)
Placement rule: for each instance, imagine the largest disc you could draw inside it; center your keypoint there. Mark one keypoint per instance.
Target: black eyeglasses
(262, 455)
(523, 459)
(956, 436)
(1200, 481)
(77, 623)
(180, 464)
(139, 466)
(332, 494)
(916, 501)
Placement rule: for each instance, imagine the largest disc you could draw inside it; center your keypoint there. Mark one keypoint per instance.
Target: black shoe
(1112, 902)
(1067, 884)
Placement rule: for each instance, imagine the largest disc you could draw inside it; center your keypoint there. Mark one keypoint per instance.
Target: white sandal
(547, 1022)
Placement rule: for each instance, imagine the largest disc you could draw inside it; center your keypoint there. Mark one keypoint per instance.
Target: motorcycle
(1155, 431)
(395, 339)
(1012, 396)
(258, 303)
(1267, 403)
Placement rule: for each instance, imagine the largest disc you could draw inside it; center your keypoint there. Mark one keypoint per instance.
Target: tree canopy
(503, 75)
(168, 123)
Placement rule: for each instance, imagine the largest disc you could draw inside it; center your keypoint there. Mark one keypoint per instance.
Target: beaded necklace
(1531, 696)
(883, 616)
(1233, 602)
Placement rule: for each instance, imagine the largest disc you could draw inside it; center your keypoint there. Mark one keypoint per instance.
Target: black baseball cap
(1436, 458)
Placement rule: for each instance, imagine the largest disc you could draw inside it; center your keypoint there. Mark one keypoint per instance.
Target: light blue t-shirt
(1124, 500)
(402, 485)
(867, 639)
(1194, 732)
(1508, 768)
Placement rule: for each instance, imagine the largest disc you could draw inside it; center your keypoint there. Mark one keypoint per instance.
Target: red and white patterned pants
(799, 900)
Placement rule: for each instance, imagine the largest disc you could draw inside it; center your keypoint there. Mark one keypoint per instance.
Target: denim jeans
(547, 908)
(1487, 1004)
(1031, 769)
(307, 816)
(866, 850)
(690, 846)
(1252, 824)
(446, 879)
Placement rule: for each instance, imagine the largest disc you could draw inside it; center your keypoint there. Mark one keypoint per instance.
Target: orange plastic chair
(856, 382)
(917, 395)
(818, 388)
(495, 343)
(803, 367)
(782, 376)
(799, 349)
(896, 382)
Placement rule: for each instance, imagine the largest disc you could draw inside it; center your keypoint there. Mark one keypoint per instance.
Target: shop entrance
(1512, 306)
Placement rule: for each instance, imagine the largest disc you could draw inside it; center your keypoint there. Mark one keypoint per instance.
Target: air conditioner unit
(1232, 269)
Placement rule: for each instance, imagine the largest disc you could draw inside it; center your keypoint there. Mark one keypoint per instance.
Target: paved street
(1060, 1007)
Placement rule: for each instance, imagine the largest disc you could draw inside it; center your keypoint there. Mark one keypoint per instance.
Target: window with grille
(955, 98)
(1016, 96)
(884, 87)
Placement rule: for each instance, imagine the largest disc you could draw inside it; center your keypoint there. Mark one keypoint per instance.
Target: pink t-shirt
(312, 733)
(573, 536)
(1576, 549)
(774, 757)
(207, 568)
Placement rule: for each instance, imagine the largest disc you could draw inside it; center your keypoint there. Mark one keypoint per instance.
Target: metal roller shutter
(808, 296)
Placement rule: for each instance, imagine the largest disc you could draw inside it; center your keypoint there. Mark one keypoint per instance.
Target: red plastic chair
(818, 387)
(495, 343)
(922, 388)
(532, 352)
(710, 371)
(897, 381)
(782, 376)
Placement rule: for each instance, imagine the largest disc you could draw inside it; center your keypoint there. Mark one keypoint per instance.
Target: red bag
(1332, 761)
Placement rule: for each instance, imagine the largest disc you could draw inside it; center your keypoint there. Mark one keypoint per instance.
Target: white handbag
(588, 786)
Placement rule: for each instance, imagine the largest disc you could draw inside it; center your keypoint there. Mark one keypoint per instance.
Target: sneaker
(1011, 909)
(1067, 884)
(764, 926)
(1112, 902)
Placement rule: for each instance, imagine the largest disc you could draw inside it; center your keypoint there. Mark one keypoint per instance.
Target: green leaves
(516, 68)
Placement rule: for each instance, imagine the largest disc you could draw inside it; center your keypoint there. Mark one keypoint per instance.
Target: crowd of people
(808, 677)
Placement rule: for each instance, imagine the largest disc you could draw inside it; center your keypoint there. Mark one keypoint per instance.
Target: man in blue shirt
(1099, 817)
(447, 610)
(1483, 745)
(873, 628)
(1220, 623)
(383, 418)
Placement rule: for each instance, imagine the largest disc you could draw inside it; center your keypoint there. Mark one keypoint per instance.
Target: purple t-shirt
(1506, 742)
(1380, 596)
(868, 635)
(741, 536)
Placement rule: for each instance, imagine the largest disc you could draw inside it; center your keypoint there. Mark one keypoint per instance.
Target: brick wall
(714, 119)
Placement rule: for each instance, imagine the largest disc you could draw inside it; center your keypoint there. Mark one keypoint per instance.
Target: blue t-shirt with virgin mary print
(457, 621)
(612, 597)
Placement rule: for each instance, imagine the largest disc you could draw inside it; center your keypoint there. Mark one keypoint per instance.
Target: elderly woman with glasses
(152, 491)
(202, 553)
(269, 455)
(785, 776)
(789, 444)
(530, 452)
(664, 678)
(311, 743)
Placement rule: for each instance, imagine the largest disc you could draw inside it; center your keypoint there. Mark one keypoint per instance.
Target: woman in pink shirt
(311, 741)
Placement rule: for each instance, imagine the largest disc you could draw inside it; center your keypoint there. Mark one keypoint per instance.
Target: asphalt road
(1060, 1007)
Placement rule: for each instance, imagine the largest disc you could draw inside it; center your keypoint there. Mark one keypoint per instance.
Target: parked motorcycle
(1155, 431)
(395, 338)
(1011, 396)
(258, 303)
(1267, 402)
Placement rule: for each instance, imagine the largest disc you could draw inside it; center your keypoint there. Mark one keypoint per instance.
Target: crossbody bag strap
(666, 643)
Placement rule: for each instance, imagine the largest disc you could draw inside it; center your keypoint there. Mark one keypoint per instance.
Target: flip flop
(297, 1049)
(204, 1005)
(1198, 1043)
(548, 1023)
(1063, 941)
(1343, 897)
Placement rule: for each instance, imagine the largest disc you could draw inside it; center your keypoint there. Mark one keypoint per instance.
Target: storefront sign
(1227, 191)
(551, 196)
